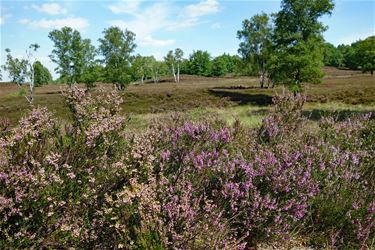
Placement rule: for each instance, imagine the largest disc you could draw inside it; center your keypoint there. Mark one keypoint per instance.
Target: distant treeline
(286, 47)
(359, 55)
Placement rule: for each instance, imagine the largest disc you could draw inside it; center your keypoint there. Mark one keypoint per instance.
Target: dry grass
(229, 97)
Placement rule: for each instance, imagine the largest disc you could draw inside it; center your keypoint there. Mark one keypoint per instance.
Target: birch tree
(173, 60)
(256, 43)
(21, 70)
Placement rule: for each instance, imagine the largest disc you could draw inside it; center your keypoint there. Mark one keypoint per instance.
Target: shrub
(182, 184)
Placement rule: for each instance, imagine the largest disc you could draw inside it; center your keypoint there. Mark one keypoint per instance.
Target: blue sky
(162, 25)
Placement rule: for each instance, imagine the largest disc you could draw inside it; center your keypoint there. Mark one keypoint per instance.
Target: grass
(343, 92)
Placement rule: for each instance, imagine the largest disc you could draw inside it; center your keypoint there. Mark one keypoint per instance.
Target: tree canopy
(117, 47)
(256, 43)
(71, 53)
(298, 40)
(42, 76)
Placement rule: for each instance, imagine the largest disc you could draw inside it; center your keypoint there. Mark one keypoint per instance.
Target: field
(210, 163)
(342, 91)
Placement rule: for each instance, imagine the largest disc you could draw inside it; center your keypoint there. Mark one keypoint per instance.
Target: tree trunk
(174, 73)
(261, 80)
(178, 72)
(142, 78)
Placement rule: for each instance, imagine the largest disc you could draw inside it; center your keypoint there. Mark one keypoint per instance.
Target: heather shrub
(182, 184)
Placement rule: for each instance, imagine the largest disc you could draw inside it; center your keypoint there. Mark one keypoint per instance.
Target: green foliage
(219, 67)
(359, 55)
(17, 68)
(116, 47)
(255, 47)
(298, 40)
(71, 53)
(139, 68)
(42, 76)
(173, 60)
(365, 54)
(225, 64)
(92, 74)
(348, 53)
(294, 65)
(332, 56)
(200, 63)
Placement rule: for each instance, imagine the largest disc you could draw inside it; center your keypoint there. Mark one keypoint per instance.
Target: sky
(161, 25)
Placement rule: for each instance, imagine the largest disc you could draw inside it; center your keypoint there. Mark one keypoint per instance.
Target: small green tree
(170, 61)
(16, 68)
(42, 76)
(297, 55)
(139, 68)
(116, 47)
(365, 54)
(156, 68)
(21, 71)
(173, 61)
(200, 63)
(256, 43)
(93, 73)
(219, 66)
(178, 53)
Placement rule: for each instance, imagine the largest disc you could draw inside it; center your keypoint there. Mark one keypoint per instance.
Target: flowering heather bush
(183, 184)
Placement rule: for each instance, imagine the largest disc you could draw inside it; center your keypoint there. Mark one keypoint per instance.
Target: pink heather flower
(165, 155)
(71, 175)
(355, 206)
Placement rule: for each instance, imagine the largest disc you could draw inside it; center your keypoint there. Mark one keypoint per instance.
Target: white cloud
(203, 8)
(50, 8)
(162, 16)
(146, 22)
(191, 14)
(125, 7)
(150, 41)
(73, 22)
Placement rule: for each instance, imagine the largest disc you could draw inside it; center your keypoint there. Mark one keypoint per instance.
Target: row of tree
(357, 56)
(282, 48)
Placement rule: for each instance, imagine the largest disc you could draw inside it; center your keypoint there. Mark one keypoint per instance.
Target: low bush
(182, 184)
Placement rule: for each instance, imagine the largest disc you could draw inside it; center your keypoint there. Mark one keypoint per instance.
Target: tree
(349, 59)
(200, 63)
(173, 59)
(116, 47)
(219, 67)
(332, 56)
(139, 68)
(16, 68)
(178, 53)
(71, 53)
(365, 54)
(42, 75)
(93, 73)
(156, 68)
(21, 71)
(225, 64)
(298, 40)
(256, 43)
(170, 61)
